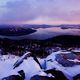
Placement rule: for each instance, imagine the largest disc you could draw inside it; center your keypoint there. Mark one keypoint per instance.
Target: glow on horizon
(36, 22)
(51, 22)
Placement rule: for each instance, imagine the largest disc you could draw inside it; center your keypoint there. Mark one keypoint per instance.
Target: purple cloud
(29, 10)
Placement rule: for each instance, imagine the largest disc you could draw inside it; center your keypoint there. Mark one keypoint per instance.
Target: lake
(45, 33)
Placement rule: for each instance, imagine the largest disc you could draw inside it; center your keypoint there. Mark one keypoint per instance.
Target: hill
(15, 31)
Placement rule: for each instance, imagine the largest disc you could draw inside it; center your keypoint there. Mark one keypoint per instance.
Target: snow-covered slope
(29, 66)
(6, 65)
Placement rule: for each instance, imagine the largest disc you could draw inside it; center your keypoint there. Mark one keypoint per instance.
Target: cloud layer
(39, 11)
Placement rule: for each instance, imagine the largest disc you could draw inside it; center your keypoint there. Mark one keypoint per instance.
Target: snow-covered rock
(69, 72)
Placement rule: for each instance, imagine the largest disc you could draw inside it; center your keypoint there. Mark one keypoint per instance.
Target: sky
(39, 11)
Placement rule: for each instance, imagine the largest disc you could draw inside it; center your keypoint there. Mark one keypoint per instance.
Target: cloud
(13, 11)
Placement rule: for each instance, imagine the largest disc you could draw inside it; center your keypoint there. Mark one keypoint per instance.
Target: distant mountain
(70, 26)
(63, 26)
(27, 26)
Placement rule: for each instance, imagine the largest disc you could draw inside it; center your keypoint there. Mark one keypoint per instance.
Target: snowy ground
(31, 68)
(6, 65)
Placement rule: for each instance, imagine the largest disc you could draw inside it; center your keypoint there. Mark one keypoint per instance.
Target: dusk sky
(39, 11)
